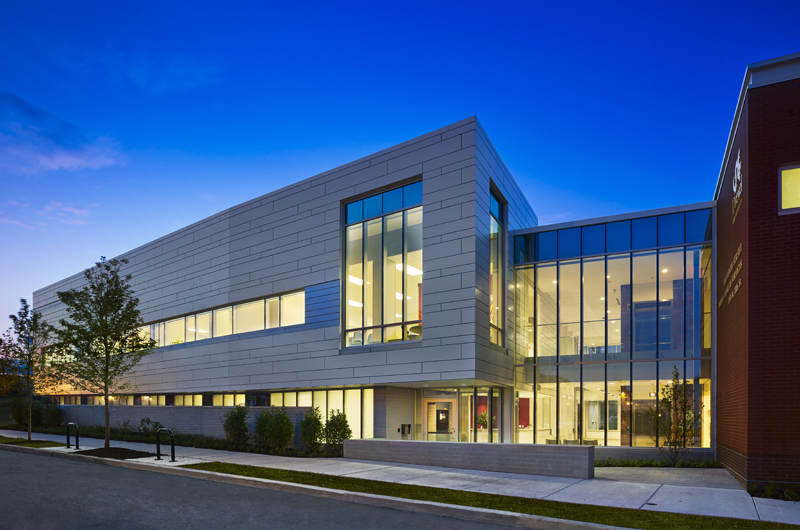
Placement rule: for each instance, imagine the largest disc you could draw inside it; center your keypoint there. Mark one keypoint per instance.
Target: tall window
(383, 267)
(496, 291)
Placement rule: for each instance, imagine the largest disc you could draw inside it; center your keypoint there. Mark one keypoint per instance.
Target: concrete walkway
(711, 492)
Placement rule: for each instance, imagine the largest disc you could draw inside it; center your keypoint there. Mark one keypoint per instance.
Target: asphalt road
(41, 492)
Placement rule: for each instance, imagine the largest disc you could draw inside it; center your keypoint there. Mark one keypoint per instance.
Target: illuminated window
(496, 290)
(383, 268)
(790, 189)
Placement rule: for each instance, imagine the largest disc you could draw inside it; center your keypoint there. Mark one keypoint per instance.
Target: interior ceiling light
(357, 281)
(398, 296)
(664, 270)
(355, 304)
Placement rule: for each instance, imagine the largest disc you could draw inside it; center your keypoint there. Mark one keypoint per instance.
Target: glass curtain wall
(384, 268)
(604, 317)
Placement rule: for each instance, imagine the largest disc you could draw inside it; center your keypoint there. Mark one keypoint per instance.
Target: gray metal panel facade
(291, 239)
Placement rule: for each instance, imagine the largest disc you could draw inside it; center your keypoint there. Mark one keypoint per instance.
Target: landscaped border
(620, 517)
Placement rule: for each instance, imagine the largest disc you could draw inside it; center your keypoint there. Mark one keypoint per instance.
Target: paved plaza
(679, 490)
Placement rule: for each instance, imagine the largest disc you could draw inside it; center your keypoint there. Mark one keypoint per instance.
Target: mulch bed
(117, 453)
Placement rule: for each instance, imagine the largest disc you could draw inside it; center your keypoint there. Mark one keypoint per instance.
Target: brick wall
(758, 333)
(774, 307)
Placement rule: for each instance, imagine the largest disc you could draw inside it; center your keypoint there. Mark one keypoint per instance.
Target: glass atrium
(604, 315)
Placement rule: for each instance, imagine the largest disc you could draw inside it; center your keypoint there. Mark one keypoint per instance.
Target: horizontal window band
(612, 254)
(672, 359)
(382, 215)
(385, 326)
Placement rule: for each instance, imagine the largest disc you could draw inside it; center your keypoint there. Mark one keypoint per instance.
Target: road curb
(497, 517)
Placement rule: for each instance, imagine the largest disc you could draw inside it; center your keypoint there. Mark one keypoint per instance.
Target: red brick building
(758, 280)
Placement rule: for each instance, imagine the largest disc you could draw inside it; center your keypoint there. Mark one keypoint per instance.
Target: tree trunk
(30, 416)
(108, 423)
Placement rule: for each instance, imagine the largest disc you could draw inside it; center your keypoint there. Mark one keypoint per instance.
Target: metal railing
(77, 438)
(158, 442)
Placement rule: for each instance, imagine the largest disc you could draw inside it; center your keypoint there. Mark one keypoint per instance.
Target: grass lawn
(22, 442)
(561, 510)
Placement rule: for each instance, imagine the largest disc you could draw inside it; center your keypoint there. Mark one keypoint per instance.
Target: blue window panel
(373, 206)
(545, 246)
(496, 208)
(569, 243)
(644, 233)
(393, 200)
(698, 226)
(618, 236)
(355, 211)
(670, 229)
(412, 194)
(522, 249)
(593, 239)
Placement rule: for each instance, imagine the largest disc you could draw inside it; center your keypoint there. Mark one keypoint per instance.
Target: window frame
(502, 206)
(781, 209)
(403, 324)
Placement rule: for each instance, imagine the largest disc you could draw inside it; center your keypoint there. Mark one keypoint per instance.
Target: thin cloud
(58, 206)
(33, 142)
(7, 221)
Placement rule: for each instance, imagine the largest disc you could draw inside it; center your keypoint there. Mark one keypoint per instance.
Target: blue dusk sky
(123, 121)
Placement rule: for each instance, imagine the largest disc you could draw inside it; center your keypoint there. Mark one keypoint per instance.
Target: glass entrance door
(441, 420)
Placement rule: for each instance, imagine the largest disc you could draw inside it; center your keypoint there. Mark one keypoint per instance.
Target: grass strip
(39, 444)
(22, 442)
(646, 520)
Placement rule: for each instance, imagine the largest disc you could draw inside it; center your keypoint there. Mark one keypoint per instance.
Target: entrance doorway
(440, 418)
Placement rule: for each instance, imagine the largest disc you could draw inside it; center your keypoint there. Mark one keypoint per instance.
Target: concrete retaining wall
(185, 420)
(553, 461)
(650, 453)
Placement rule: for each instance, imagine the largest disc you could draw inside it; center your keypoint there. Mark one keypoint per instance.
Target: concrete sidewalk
(712, 492)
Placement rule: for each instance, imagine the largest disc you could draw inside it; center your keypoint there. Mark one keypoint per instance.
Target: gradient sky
(121, 122)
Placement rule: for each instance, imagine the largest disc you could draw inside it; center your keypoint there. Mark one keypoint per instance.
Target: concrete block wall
(185, 420)
(552, 461)
(290, 239)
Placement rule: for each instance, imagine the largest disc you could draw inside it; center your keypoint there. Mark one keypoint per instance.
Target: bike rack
(158, 443)
(77, 439)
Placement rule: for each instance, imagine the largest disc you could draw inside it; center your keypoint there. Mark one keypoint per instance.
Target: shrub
(19, 411)
(769, 491)
(148, 427)
(235, 425)
(337, 430)
(273, 429)
(53, 415)
(312, 431)
(792, 494)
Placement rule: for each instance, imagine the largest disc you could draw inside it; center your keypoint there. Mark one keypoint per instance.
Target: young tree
(100, 340)
(674, 419)
(22, 346)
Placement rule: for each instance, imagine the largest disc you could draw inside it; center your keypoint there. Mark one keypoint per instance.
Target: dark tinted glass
(355, 211)
(569, 243)
(522, 249)
(373, 206)
(594, 239)
(698, 226)
(670, 229)
(496, 209)
(393, 200)
(412, 194)
(618, 236)
(544, 246)
(644, 233)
